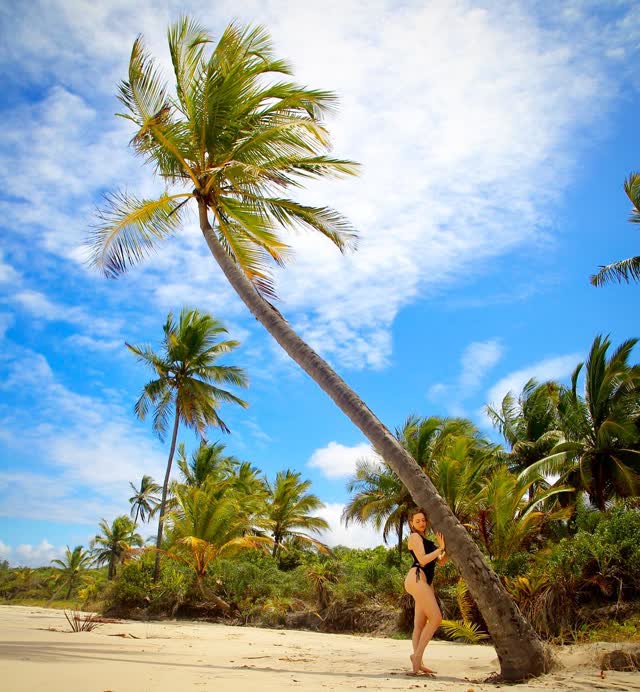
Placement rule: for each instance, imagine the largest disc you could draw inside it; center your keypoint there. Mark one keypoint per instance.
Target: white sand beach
(37, 652)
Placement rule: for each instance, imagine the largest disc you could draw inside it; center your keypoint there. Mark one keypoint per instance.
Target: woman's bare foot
(419, 668)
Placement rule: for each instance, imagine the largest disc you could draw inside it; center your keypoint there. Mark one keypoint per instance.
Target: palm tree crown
(237, 132)
(288, 508)
(145, 501)
(74, 563)
(116, 542)
(629, 269)
(187, 373)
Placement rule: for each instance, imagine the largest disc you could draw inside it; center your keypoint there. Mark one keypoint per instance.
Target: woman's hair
(413, 512)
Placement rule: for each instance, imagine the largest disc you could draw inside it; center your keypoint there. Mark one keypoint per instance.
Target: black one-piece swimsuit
(429, 569)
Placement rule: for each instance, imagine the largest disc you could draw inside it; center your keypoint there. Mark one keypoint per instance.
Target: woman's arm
(415, 544)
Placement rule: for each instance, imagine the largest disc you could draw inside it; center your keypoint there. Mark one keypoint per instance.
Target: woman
(418, 581)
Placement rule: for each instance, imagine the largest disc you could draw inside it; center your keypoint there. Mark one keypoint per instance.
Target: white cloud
(355, 536)
(83, 342)
(477, 359)
(553, 368)
(42, 307)
(7, 273)
(5, 551)
(339, 461)
(6, 320)
(28, 555)
(90, 448)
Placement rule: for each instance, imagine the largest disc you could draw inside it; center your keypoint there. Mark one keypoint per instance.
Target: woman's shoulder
(413, 539)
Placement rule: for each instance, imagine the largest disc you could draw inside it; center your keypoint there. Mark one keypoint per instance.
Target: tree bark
(165, 489)
(519, 650)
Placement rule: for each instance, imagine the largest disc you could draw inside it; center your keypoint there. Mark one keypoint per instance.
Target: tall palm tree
(186, 386)
(71, 566)
(288, 511)
(115, 543)
(600, 453)
(145, 501)
(629, 269)
(234, 137)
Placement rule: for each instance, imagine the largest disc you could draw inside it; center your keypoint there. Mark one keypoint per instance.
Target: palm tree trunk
(519, 650)
(165, 489)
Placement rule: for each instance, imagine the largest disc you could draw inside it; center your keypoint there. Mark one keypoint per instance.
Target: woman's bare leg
(426, 599)
(426, 620)
(419, 623)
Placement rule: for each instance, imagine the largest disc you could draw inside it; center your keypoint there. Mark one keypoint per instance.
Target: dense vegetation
(556, 511)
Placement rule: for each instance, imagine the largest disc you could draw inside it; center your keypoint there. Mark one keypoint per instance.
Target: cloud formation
(456, 144)
(552, 368)
(337, 460)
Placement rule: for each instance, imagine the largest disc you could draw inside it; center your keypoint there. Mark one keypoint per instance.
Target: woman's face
(419, 522)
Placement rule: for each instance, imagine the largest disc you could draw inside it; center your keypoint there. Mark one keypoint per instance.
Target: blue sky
(494, 143)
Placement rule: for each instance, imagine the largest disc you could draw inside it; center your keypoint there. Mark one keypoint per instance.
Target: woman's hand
(440, 539)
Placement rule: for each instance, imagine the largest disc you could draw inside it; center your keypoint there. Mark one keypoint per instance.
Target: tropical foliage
(71, 567)
(600, 448)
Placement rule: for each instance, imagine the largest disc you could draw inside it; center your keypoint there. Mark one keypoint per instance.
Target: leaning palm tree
(145, 501)
(71, 567)
(600, 452)
(186, 385)
(116, 542)
(629, 269)
(234, 137)
(288, 511)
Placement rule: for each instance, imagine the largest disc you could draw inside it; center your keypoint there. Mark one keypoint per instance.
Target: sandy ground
(37, 652)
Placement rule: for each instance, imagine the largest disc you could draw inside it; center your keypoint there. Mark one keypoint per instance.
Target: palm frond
(622, 271)
(131, 229)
